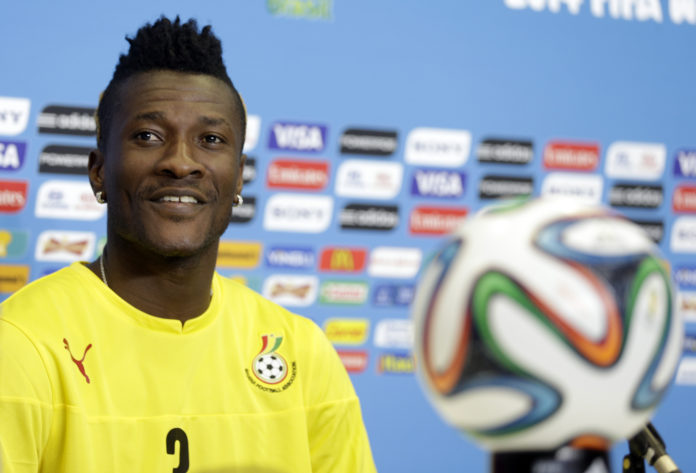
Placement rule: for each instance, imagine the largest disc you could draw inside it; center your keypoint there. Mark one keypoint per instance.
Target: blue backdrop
(376, 125)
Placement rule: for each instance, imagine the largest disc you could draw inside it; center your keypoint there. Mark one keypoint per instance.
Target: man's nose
(179, 160)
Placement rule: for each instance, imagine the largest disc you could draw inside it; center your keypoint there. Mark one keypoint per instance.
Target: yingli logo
(571, 155)
(293, 174)
(349, 260)
(684, 199)
(13, 196)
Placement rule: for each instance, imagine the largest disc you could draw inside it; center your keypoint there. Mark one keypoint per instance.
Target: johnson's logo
(13, 196)
(685, 163)
(389, 295)
(12, 155)
(298, 137)
(641, 161)
(294, 174)
(438, 183)
(571, 155)
(348, 260)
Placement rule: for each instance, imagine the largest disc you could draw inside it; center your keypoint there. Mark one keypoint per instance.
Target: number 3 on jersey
(178, 435)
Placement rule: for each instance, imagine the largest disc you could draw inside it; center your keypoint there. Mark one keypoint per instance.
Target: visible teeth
(187, 199)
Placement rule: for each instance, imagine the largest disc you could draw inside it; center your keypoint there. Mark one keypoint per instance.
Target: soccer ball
(270, 368)
(543, 323)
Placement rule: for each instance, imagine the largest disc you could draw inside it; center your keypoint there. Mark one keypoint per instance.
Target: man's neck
(168, 287)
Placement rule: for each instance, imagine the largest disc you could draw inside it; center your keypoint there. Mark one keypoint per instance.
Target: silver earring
(100, 197)
(239, 201)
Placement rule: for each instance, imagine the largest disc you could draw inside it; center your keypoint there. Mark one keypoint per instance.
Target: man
(146, 360)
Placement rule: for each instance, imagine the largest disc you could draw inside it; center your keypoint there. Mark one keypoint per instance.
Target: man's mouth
(185, 199)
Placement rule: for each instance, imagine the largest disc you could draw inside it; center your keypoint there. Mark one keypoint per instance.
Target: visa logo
(685, 163)
(432, 183)
(299, 137)
(12, 155)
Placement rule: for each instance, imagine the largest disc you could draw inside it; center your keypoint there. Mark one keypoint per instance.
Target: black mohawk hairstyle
(169, 46)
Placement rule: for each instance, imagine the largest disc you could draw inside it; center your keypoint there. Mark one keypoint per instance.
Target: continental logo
(494, 187)
(685, 163)
(238, 254)
(396, 363)
(503, 151)
(639, 161)
(571, 155)
(646, 197)
(654, 228)
(249, 172)
(305, 137)
(341, 259)
(13, 277)
(355, 361)
(13, 196)
(245, 212)
(13, 243)
(60, 159)
(684, 199)
(253, 130)
(369, 217)
(14, 115)
(426, 220)
(12, 155)
(295, 174)
(368, 142)
(343, 292)
(346, 331)
(438, 183)
(67, 120)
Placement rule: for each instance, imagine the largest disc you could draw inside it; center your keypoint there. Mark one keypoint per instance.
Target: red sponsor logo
(355, 361)
(571, 155)
(348, 260)
(291, 174)
(435, 220)
(684, 199)
(13, 195)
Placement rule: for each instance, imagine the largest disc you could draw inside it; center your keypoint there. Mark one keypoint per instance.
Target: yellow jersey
(88, 383)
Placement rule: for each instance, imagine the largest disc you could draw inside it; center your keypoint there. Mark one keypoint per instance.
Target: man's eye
(145, 136)
(213, 139)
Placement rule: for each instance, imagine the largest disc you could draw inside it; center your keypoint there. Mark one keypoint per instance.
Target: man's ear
(240, 176)
(95, 168)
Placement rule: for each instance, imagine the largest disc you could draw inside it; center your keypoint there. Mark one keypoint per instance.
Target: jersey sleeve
(25, 402)
(337, 437)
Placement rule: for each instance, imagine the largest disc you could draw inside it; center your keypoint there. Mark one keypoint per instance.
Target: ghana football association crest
(270, 367)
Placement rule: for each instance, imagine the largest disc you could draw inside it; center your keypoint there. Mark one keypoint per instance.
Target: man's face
(173, 163)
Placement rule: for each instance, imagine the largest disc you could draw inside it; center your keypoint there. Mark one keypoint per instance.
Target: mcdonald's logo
(347, 260)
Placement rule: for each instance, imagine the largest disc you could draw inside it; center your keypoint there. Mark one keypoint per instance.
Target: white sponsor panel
(369, 179)
(686, 305)
(298, 213)
(394, 333)
(14, 115)
(67, 200)
(253, 129)
(394, 262)
(291, 290)
(631, 160)
(65, 246)
(683, 237)
(587, 188)
(438, 147)
(686, 373)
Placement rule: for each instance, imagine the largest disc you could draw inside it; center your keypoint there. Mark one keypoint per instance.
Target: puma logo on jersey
(79, 363)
